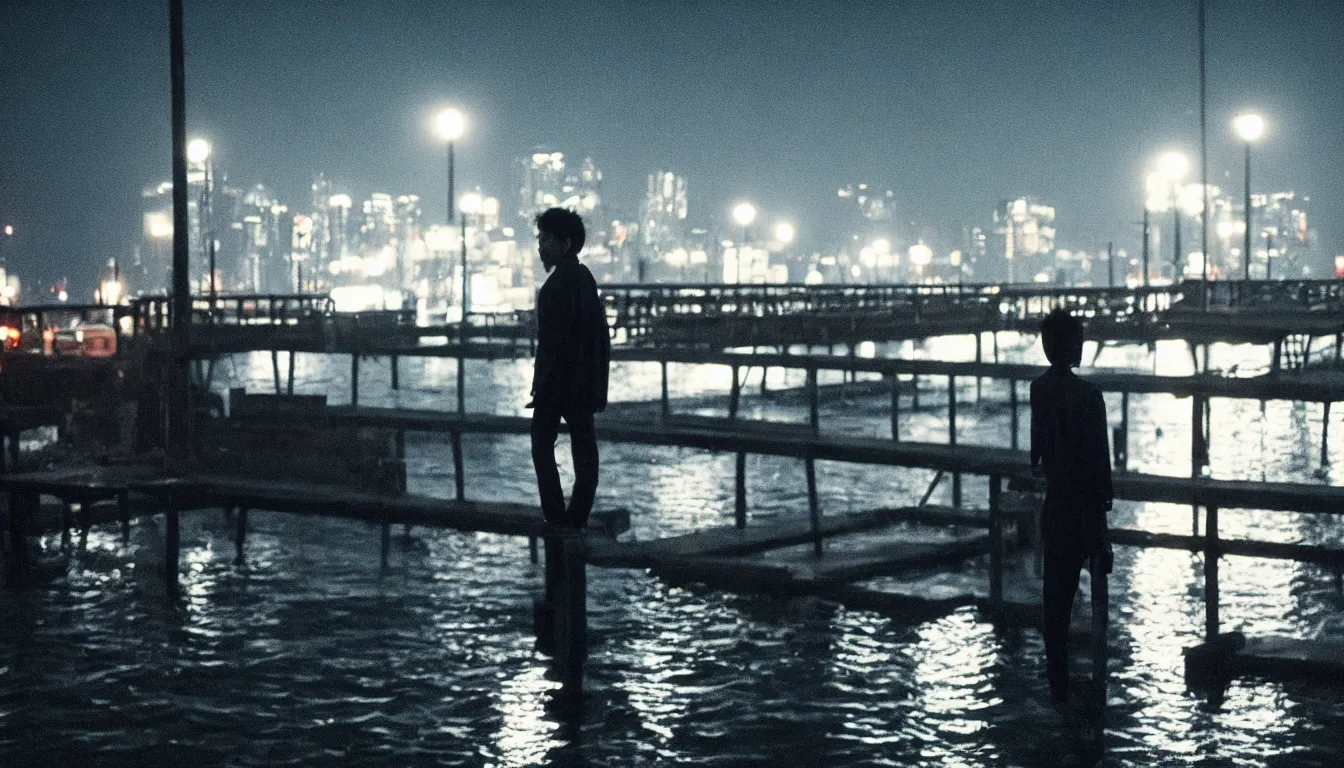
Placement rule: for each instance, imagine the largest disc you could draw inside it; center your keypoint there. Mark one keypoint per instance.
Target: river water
(305, 655)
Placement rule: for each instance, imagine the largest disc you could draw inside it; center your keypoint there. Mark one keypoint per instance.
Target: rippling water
(306, 656)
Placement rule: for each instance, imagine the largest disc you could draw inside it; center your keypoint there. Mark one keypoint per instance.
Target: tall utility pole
(177, 396)
(1110, 265)
(1146, 239)
(1203, 164)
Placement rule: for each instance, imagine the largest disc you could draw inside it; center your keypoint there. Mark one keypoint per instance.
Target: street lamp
(198, 153)
(784, 232)
(1249, 127)
(1174, 166)
(451, 124)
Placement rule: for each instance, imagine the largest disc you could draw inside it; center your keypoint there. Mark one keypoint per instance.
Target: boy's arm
(553, 316)
(1100, 449)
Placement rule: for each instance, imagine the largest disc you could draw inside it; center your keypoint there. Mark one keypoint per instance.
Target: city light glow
(1249, 126)
(9, 229)
(744, 214)
(198, 151)
(471, 203)
(1173, 165)
(784, 232)
(920, 254)
(451, 124)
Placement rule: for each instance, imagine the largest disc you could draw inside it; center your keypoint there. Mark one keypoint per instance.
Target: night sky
(953, 105)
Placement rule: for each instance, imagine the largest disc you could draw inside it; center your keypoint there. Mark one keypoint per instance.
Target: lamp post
(198, 153)
(451, 124)
(1174, 166)
(1249, 127)
(744, 214)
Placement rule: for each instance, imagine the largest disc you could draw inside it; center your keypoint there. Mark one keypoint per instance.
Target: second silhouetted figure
(569, 379)
(1070, 447)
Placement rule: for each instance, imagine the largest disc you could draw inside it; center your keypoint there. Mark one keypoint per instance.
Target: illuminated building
(1283, 245)
(1027, 238)
(152, 261)
(543, 184)
(869, 202)
(663, 219)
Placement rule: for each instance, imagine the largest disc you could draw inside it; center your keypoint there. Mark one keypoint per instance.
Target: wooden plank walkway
(799, 441)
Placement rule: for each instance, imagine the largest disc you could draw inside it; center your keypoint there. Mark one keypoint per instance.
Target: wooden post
(814, 409)
(813, 507)
(1013, 427)
(1325, 433)
(735, 395)
(532, 549)
(459, 479)
(1196, 451)
(240, 536)
(952, 435)
(124, 512)
(1339, 342)
(571, 621)
(996, 345)
(1211, 574)
(995, 542)
(289, 383)
(1276, 363)
(396, 371)
(1122, 456)
(740, 508)
(462, 381)
(978, 360)
(914, 392)
(172, 551)
(354, 379)
(275, 368)
(667, 405)
(385, 546)
(895, 408)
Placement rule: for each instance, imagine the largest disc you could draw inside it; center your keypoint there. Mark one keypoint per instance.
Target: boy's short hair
(564, 224)
(1062, 338)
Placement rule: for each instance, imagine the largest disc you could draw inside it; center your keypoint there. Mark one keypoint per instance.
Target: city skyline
(716, 94)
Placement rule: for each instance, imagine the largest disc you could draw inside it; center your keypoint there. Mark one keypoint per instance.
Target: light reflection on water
(306, 655)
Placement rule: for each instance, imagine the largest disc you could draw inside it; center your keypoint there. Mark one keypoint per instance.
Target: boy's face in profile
(551, 248)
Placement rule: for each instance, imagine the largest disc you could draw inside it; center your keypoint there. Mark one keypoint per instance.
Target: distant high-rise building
(543, 183)
(663, 214)
(869, 202)
(1282, 243)
(151, 266)
(1027, 230)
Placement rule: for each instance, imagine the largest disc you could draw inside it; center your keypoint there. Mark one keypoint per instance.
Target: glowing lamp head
(471, 203)
(198, 151)
(744, 214)
(784, 232)
(1173, 165)
(1249, 126)
(9, 229)
(451, 124)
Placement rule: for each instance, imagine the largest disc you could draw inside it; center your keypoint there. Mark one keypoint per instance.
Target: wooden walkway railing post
(995, 542)
(395, 364)
(895, 408)
(459, 477)
(1013, 427)
(740, 508)
(952, 435)
(666, 401)
(1211, 553)
(813, 505)
(354, 379)
(813, 406)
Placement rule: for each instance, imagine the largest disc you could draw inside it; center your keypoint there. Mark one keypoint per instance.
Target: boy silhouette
(1069, 446)
(569, 378)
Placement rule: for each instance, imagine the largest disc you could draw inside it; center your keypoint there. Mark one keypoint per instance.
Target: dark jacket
(573, 343)
(1069, 445)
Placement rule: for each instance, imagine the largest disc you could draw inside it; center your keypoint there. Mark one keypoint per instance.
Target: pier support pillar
(813, 406)
(1013, 427)
(735, 394)
(1101, 620)
(952, 435)
(895, 408)
(813, 506)
(395, 364)
(275, 368)
(172, 551)
(384, 546)
(1325, 434)
(1122, 435)
(462, 383)
(354, 380)
(124, 514)
(1211, 548)
(571, 621)
(289, 382)
(740, 508)
(995, 542)
(240, 536)
(459, 479)
(666, 401)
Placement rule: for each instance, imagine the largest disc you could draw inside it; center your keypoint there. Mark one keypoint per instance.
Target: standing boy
(569, 378)
(1070, 447)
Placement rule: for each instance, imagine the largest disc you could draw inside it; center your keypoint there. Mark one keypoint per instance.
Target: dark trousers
(1062, 550)
(583, 447)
